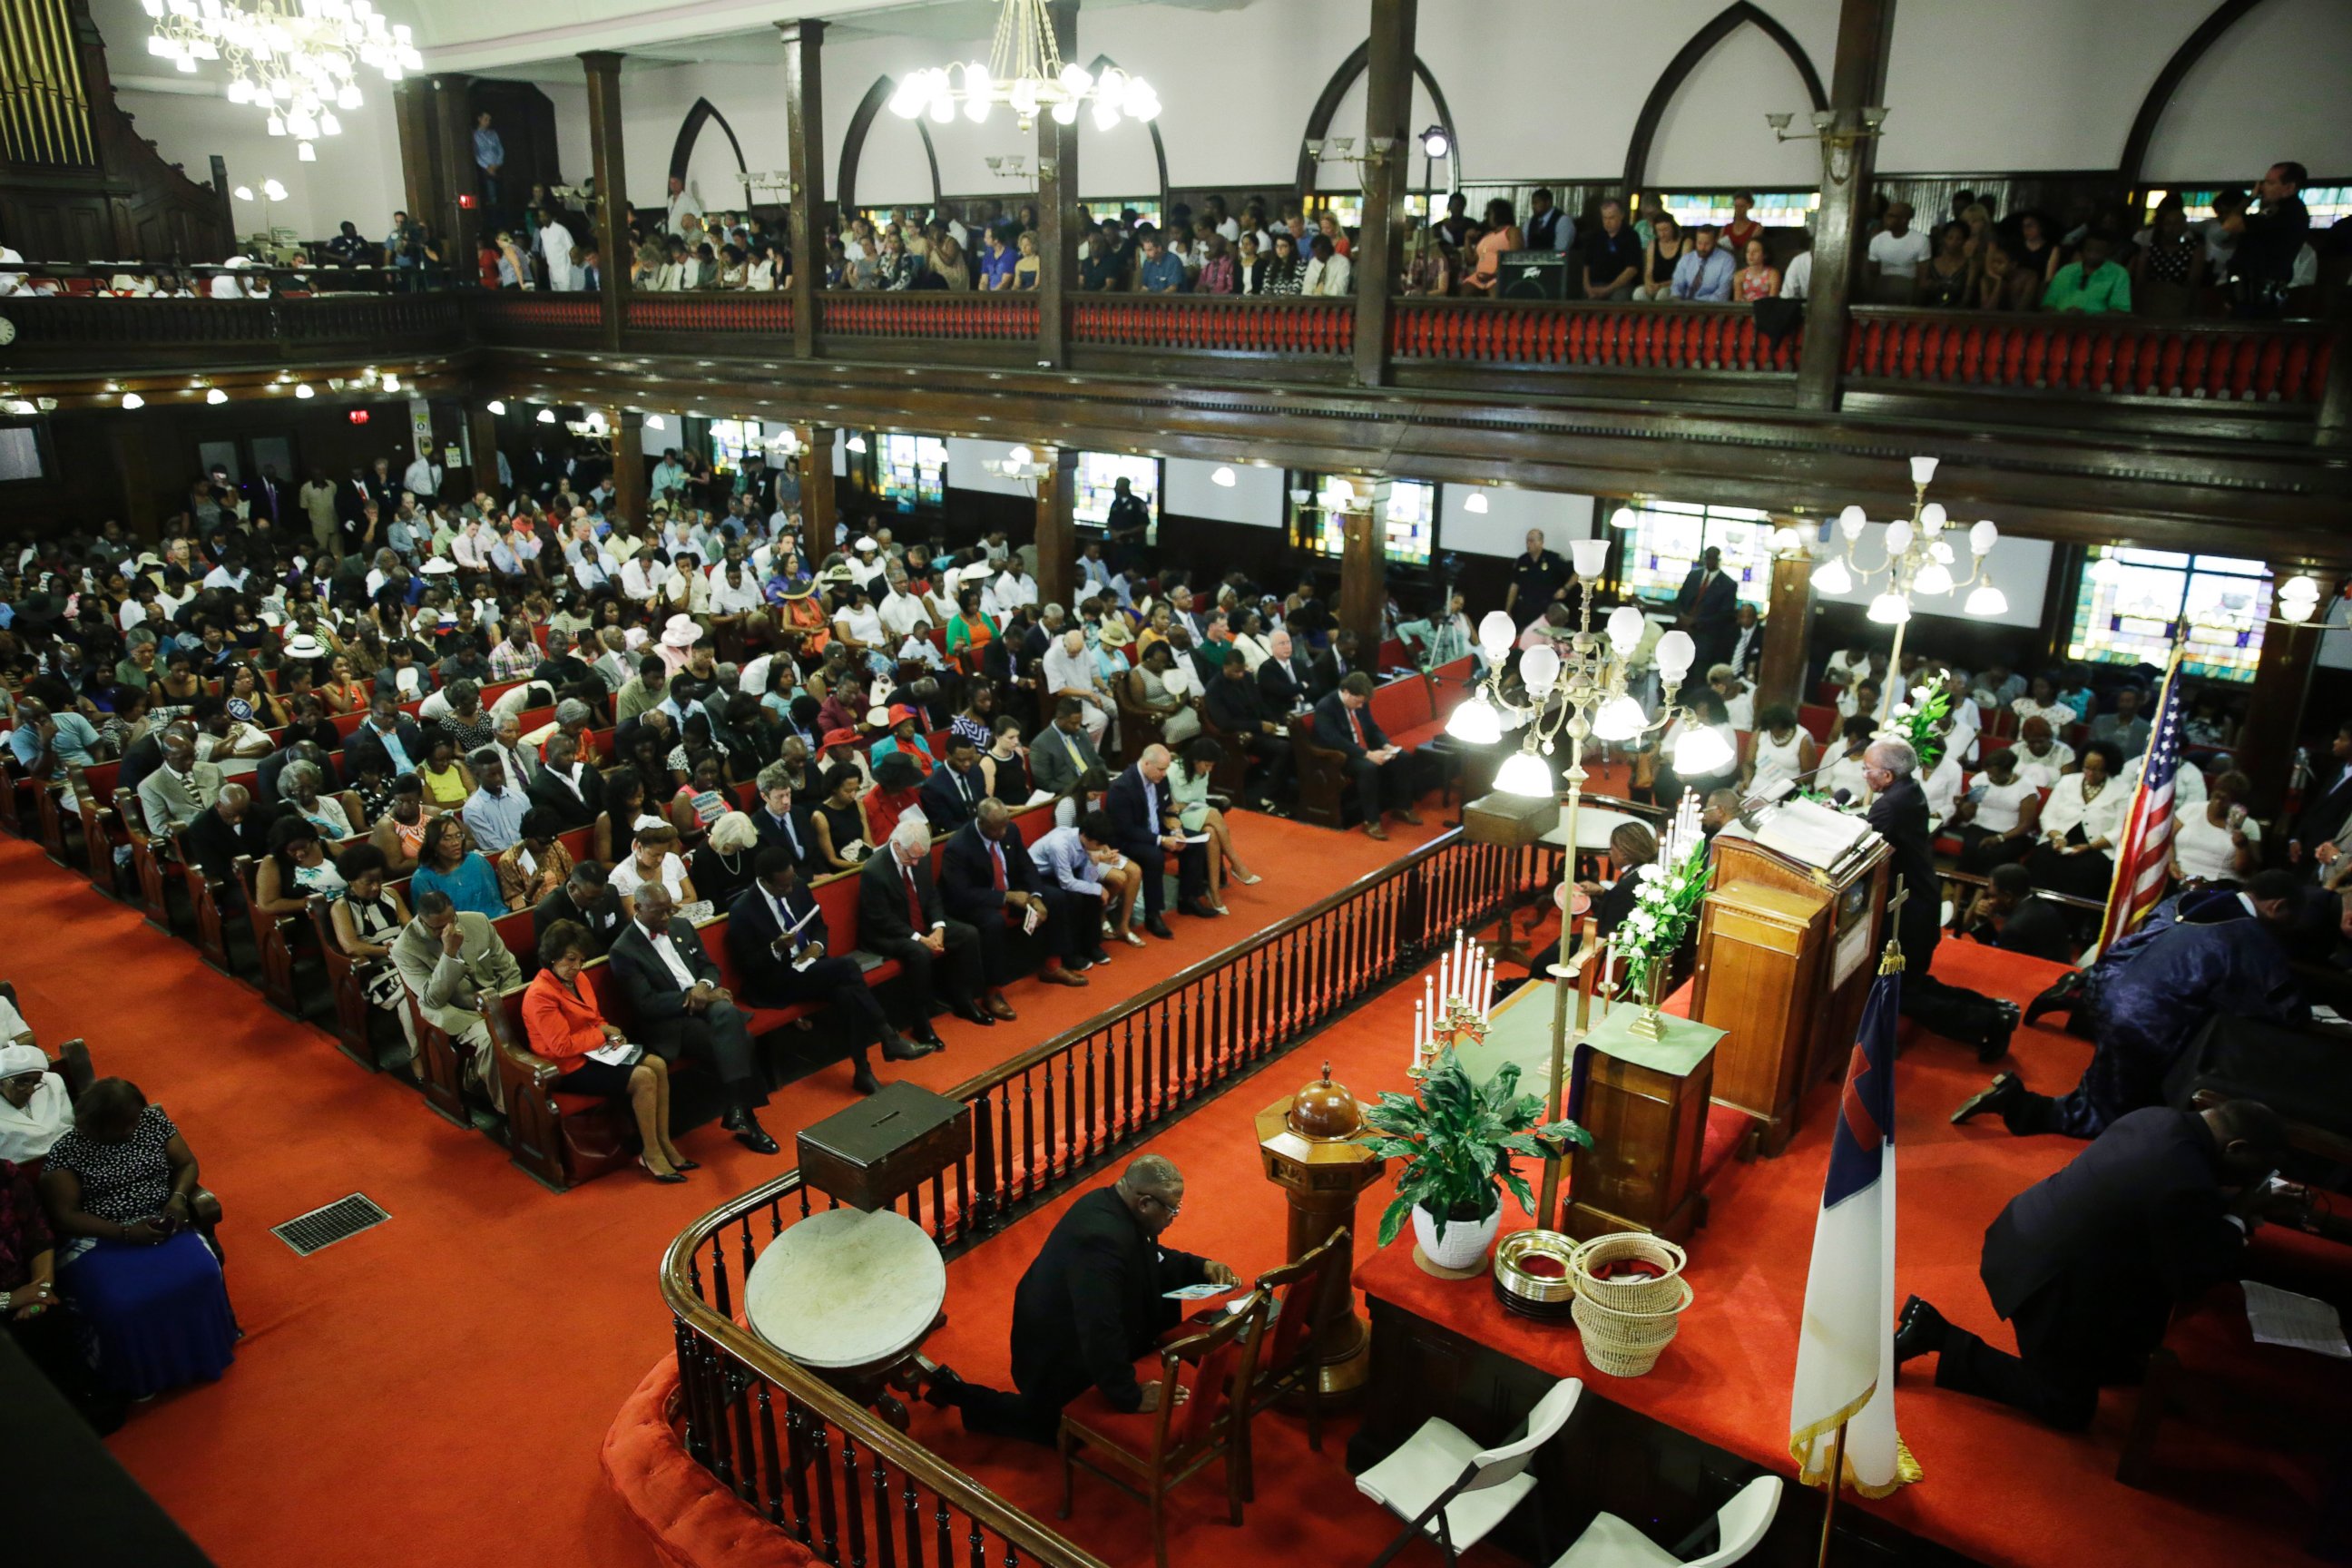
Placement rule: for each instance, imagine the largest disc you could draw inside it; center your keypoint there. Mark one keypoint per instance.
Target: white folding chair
(1447, 1488)
(1738, 1527)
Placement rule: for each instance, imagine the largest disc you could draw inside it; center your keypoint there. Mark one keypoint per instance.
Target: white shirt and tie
(667, 950)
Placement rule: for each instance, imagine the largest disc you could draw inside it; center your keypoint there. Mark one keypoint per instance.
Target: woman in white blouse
(2080, 823)
(2217, 841)
(33, 1109)
(2000, 817)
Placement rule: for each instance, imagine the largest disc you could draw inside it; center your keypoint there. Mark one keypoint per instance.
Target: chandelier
(297, 59)
(1025, 73)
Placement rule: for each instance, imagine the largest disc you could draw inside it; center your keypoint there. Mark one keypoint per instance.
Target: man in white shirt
(555, 246)
(1071, 671)
(903, 614)
(1797, 277)
(681, 204)
(1013, 588)
(1330, 274)
(423, 478)
(1896, 253)
(230, 573)
(647, 581)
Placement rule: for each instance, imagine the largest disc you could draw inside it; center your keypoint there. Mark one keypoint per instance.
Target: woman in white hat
(33, 1109)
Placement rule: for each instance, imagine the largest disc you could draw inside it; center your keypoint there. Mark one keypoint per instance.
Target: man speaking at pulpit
(1094, 1300)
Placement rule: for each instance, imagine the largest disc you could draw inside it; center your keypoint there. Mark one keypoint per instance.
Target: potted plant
(1456, 1140)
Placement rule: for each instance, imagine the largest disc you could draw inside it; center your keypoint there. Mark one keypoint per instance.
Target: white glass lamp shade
(1890, 609)
(1524, 772)
(1342, 492)
(1474, 503)
(2298, 599)
(1539, 667)
(656, 422)
(2106, 568)
(1675, 652)
(1591, 556)
(1851, 521)
(1922, 470)
(496, 406)
(1300, 497)
(547, 416)
(1987, 600)
(1624, 517)
(1474, 723)
(1932, 516)
(1787, 542)
(1620, 719)
(1982, 536)
(1022, 456)
(1496, 633)
(1898, 536)
(1833, 578)
(1625, 625)
(302, 390)
(1699, 751)
(215, 396)
(132, 400)
(1933, 578)
(1225, 477)
(1940, 550)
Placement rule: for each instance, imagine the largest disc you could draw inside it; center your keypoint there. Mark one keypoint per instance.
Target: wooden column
(1058, 530)
(1363, 572)
(420, 175)
(609, 166)
(1787, 633)
(803, 44)
(454, 225)
(629, 480)
(1057, 212)
(1388, 108)
(482, 447)
(2335, 407)
(818, 513)
(133, 438)
(1865, 28)
(2265, 749)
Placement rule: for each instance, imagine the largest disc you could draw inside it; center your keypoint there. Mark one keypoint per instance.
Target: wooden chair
(13, 796)
(347, 978)
(273, 940)
(1306, 1297)
(1149, 1455)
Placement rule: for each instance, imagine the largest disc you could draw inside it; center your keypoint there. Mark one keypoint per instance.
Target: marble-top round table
(851, 1296)
(1595, 823)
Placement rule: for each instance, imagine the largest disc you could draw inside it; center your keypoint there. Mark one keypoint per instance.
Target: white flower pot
(1454, 1244)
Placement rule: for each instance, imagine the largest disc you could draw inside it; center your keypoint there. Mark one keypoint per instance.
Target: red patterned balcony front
(2092, 357)
(1214, 324)
(959, 317)
(1586, 335)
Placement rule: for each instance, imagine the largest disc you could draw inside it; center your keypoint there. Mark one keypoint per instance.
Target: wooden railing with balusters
(2097, 356)
(1050, 1116)
(1590, 335)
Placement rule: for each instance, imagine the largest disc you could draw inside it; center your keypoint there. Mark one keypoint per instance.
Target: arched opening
(712, 173)
(853, 143)
(1327, 109)
(1689, 59)
(1115, 180)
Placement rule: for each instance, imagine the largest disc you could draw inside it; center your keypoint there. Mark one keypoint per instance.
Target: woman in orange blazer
(563, 1024)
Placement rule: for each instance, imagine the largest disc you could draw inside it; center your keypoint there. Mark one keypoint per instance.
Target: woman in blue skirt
(120, 1189)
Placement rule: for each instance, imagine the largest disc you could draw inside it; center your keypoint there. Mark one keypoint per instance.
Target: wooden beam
(608, 163)
(819, 513)
(454, 223)
(420, 177)
(803, 44)
(1388, 111)
(1363, 570)
(482, 447)
(2282, 684)
(629, 478)
(1787, 633)
(1866, 36)
(1057, 207)
(1058, 530)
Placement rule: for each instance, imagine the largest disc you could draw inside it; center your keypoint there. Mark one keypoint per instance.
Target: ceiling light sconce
(1223, 477)
(1838, 138)
(215, 396)
(1474, 503)
(547, 416)
(132, 400)
(302, 390)
(496, 407)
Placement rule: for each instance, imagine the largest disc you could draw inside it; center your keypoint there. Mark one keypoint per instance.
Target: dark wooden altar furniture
(1307, 1147)
(879, 1149)
(1645, 1103)
(1513, 822)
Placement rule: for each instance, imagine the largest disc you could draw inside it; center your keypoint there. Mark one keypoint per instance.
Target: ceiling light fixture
(1026, 74)
(296, 60)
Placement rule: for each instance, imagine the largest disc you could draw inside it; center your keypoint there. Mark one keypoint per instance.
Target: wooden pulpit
(1785, 961)
(1645, 1103)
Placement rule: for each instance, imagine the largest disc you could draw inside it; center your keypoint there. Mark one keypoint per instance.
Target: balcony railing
(831, 1473)
(2091, 356)
(1214, 324)
(930, 315)
(1588, 335)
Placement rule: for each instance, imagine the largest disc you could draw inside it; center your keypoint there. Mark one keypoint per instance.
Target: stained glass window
(730, 439)
(1671, 536)
(911, 470)
(2327, 205)
(1773, 209)
(1411, 519)
(2131, 601)
(1098, 472)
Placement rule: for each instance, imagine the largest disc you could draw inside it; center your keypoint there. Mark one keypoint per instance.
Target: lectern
(1784, 965)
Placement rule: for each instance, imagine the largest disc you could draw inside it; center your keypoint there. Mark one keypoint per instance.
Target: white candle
(1418, 1034)
(1486, 992)
(1458, 955)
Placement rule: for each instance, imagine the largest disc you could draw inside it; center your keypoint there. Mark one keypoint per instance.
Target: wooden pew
(101, 830)
(1402, 708)
(15, 803)
(274, 940)
(147, 858)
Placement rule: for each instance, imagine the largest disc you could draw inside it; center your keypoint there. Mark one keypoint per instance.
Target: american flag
(2144, 854)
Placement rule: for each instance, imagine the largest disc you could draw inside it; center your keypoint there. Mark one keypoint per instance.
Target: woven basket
(1626, 1344)
(1632, 1294)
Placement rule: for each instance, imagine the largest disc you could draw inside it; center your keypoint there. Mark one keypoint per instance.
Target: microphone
(1841, 797)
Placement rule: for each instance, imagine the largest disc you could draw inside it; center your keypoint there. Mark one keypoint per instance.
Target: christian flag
(2144, 854)
(1845, 1350)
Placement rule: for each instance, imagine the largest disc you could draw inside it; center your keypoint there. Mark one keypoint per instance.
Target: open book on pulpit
(1810, 833)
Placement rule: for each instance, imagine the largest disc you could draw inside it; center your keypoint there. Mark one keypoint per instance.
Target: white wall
(2273, 87)
(353, 178)
(1189, 489)
(968, 463)
(2020, 568)
(1713, 131)
(1502, 530)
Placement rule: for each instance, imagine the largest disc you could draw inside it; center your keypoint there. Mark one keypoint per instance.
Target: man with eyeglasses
(1093, 1301)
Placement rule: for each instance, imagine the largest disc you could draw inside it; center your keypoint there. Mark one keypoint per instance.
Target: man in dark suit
(1334, 665)
(1286, 678)
(778, 942)
(954, 791)
(1062, 759)
(573, 790)
(1707, 607)
(899, 916)
(1899, 814)
(1094, 1300)
(587, 899)
(1143, 824)
(2087, 1263)
(2009, 915)
(1237, 706)
(671, 989)
(389, 740)
(987, 879)
(779, 819)
(2326, 806)
(1381, 772)
(236, 824)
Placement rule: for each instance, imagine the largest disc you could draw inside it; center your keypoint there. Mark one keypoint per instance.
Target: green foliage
(1923, 725)
(1664, 908)
(1457, 1139)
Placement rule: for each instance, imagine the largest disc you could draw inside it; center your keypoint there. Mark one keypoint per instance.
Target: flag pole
(2118, 880)
(1829, 1509)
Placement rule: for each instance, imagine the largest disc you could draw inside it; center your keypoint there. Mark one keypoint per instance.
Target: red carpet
(436, 1391)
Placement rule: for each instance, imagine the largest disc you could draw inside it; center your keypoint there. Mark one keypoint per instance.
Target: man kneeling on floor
(1094, 1300)
(2087, 1263)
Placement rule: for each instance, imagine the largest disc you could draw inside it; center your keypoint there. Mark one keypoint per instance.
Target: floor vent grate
(322, 1227)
